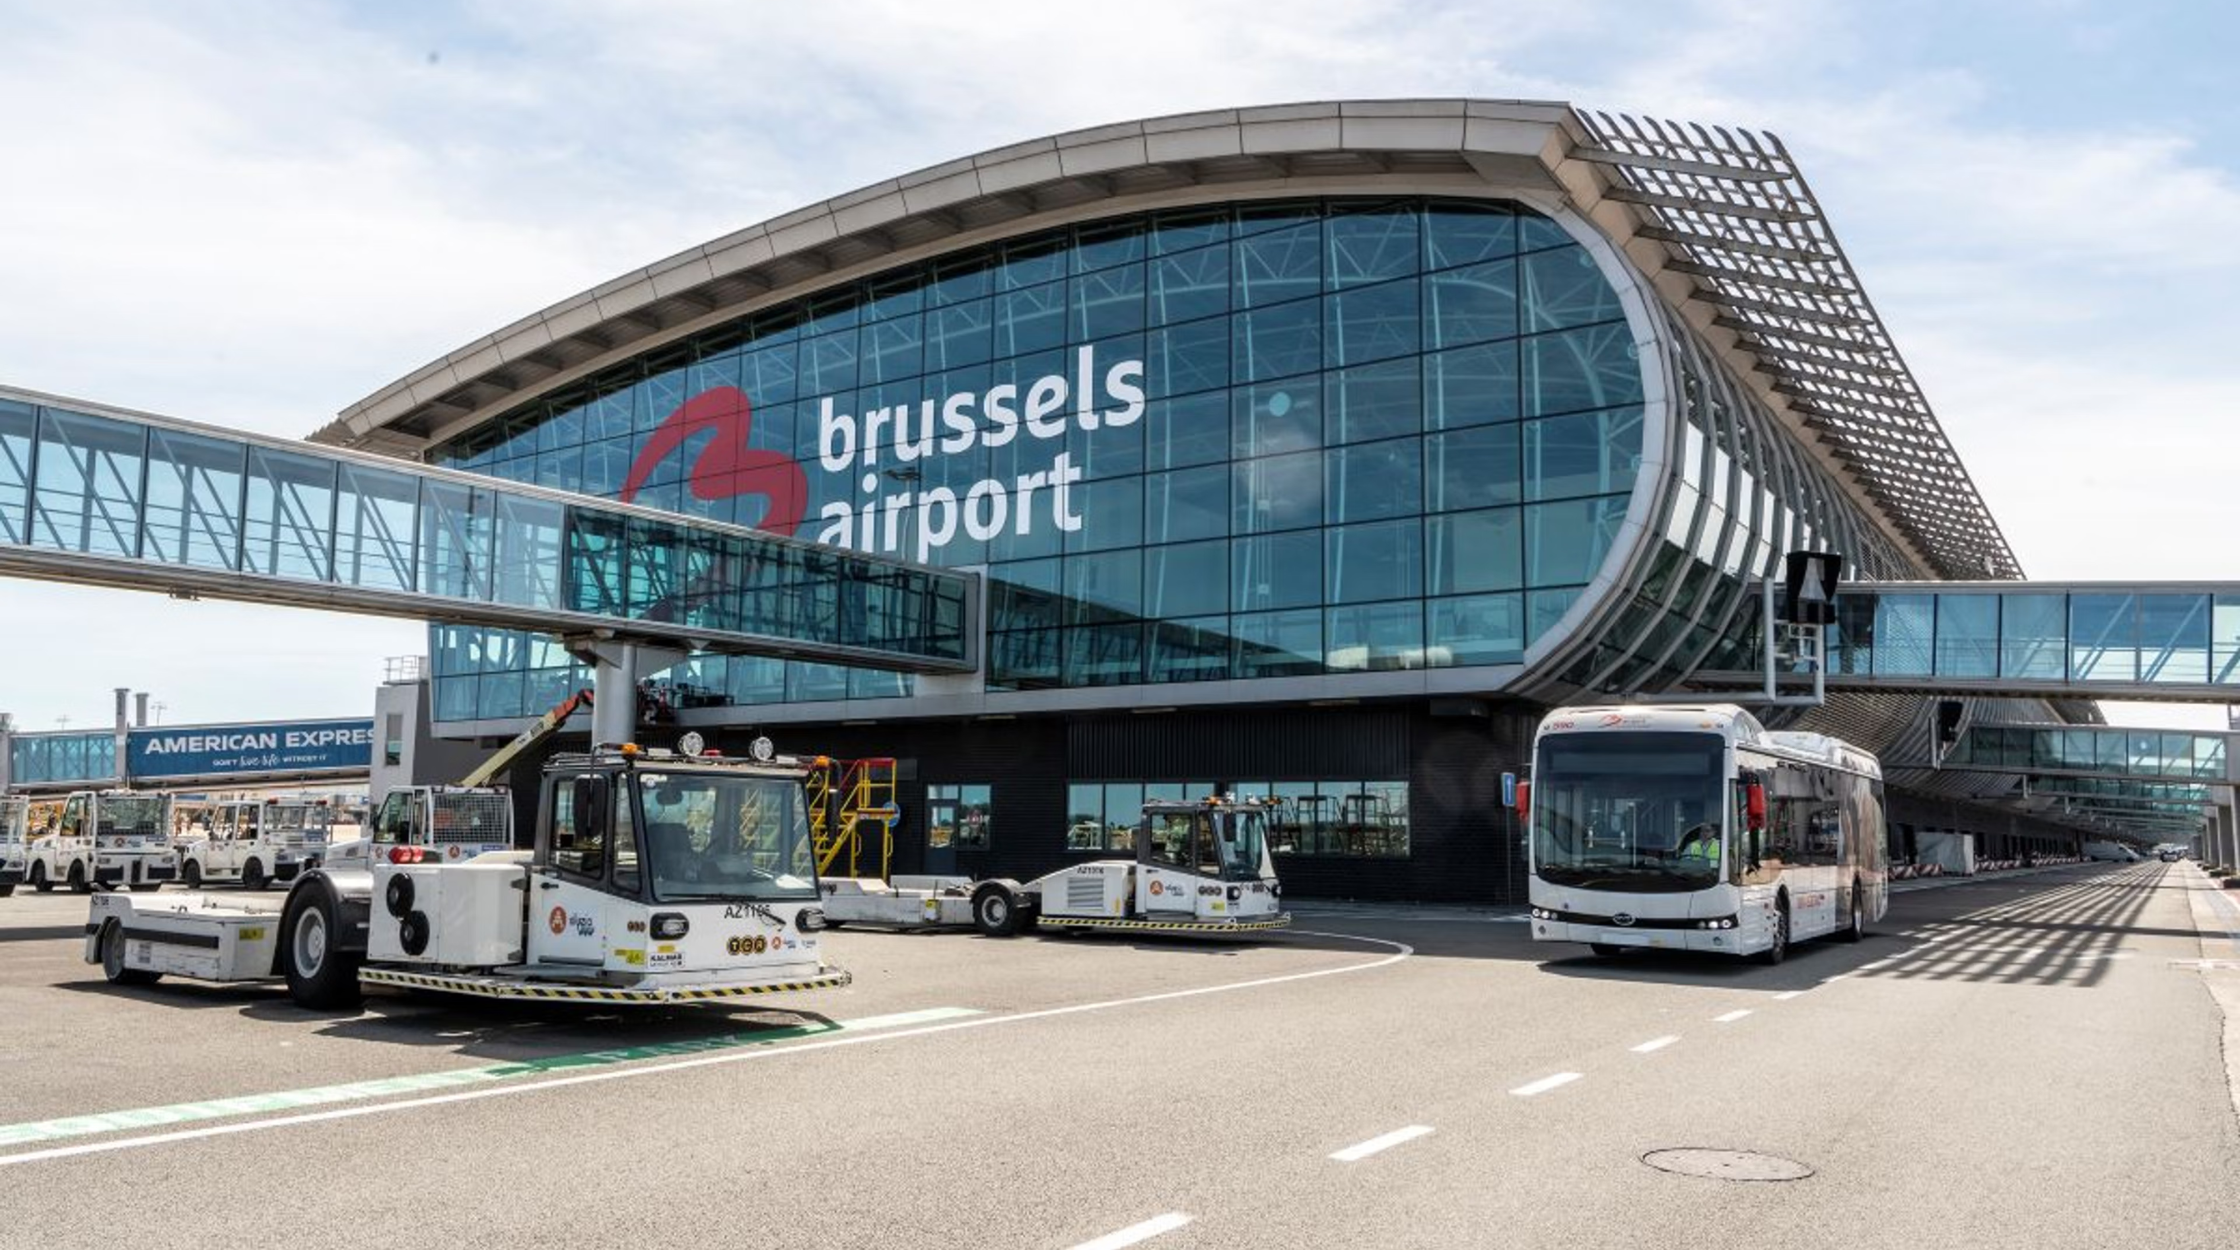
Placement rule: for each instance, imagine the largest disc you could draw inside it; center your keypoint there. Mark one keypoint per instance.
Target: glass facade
(1745, 494)
(1230, 442)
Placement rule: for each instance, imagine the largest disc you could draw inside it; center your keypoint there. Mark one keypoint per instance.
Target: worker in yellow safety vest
(1701, 843)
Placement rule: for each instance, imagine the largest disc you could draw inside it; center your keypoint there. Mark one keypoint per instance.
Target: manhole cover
(1698, 1161)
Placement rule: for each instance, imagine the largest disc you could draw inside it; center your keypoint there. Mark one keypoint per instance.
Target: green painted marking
(356, 1091)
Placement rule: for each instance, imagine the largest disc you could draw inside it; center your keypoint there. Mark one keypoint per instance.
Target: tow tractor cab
(255, 842)
(15, 865)
(1199, 867)
(107, 838)
(453, 823)
(655, 877)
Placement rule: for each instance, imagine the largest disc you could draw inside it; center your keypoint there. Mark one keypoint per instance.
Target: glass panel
(1277, 340)
(1967, 636)
(1278, 266)
(1475, 551)
(2224, 640)
(1375, 562)
(1598, 452)
(1188, 358)
(193, 499)
(1365, 325)
(1103, 656)
(1276, 643)
(288, 521)
(1284, 492)
(1374, 481)
(2174, 638)
(88, 494)
(1476, 630)
(1190, 285)
(1085, 815)
(1187, 503)
(1563, 288)
(1905, 635)
(1108, 303)
(1378, 401)
(1474, 468)
(1189, 650)
(2033, 636)
(1276, 571)
(2103, 637)
(1580, 369)
(1277, 417)
(1469, 233)
(1371, 245)
(1186, 581)
(18, 431)
(1375, 636)
(1473, 386)
(1471, 304)
(1565, 542)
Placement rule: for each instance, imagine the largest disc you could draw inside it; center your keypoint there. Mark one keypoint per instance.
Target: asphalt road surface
(2031, 1061)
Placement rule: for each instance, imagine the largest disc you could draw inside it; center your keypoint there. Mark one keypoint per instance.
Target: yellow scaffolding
(851, 802)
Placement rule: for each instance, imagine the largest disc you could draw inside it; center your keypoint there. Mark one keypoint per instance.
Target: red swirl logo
(727, 467)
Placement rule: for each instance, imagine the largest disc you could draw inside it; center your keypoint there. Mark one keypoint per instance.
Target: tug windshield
(713, 837)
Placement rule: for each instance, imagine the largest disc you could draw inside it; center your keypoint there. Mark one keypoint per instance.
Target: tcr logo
(726, 467)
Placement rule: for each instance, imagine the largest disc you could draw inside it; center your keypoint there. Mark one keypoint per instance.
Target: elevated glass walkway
(96, 495)
(2099, 752)
(2104, 641)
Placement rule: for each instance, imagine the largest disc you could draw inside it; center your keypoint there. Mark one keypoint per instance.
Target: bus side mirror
(1754, 806)
(588, 805)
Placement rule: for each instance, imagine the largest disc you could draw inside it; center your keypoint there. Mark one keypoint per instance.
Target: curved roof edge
(1720, 221)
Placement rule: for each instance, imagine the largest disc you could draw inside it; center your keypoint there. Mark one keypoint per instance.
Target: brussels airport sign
(1035, 413)
(160, 753)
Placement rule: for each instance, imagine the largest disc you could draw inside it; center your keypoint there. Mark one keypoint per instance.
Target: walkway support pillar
(616, 667)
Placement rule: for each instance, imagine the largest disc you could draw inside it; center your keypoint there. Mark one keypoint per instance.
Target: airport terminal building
(1311, 450)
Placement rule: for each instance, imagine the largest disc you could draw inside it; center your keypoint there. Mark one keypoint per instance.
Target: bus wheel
(1606, 951)
(1779, 950)
(192, 875)
(78, 877)
(1858, 930)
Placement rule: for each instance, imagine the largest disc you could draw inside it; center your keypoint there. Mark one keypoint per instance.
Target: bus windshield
(724, 837)
(1629, 811)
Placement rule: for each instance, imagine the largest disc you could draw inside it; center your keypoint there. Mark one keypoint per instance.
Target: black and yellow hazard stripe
(1216, 928)
(499, 987)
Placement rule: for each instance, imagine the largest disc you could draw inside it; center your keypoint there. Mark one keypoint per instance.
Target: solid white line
(1730, 1017)
(800, 1047)
(1134, 1234)
(1651, 1047)
(1544, 1084)
(1387, 1142)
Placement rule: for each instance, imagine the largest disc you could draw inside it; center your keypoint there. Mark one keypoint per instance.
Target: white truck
(15, 851)
(1200, 868)
(106, 839)
(655, 877)
(255, 842)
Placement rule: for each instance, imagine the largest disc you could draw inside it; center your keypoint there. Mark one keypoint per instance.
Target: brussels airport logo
(913, 518)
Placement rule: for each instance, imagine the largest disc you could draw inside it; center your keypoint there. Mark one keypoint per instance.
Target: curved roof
(1719, 220)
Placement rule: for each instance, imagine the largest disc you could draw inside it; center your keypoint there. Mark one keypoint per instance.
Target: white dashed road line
(1651, 1047)
(1545, 1083)
(1385, 1143)
(1730, 1017)
(1136, 1233)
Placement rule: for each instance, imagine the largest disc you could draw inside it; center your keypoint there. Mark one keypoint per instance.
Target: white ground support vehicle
(106, 838)
(655, 878)
(255, 842)
(1200, 867)
(15, 852)
(1694, 827)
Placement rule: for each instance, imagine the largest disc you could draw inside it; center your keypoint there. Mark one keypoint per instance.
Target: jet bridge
(102, 496)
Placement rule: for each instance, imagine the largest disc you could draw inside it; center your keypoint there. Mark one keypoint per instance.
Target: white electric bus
(1694, 827)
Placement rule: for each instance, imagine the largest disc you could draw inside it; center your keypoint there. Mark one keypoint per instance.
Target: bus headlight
(1715, 925)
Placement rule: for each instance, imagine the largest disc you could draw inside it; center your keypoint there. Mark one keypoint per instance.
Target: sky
(255, 214)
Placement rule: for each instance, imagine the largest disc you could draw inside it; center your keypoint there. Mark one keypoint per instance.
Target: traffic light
(1810, 592)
